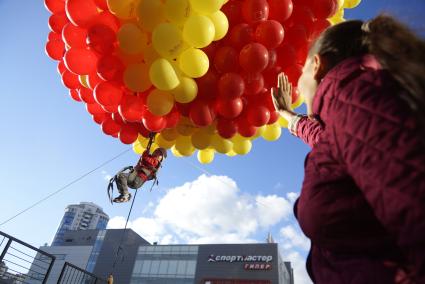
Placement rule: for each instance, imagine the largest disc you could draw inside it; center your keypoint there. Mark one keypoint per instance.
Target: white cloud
(294, 238)
(298, 265)
(292, 196)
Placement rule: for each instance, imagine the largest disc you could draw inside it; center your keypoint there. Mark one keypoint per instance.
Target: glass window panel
(146, 266)
(191, 267)
(142, 249)
(194, 249)
(184, 249)
(181, 267)
(175, 249)
(172, 267)
(149, 249)
(163, 266)
(154, 267)
(137, 266)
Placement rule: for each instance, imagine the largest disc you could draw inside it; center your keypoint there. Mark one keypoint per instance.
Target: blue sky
(48, 140)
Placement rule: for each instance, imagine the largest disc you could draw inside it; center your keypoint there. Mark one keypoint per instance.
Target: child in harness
(146, 169)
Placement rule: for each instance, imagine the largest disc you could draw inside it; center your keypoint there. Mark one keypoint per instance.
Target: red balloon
(294, 72)
(255, 10)
(93, 80)
(226, 60)
(74, 95)
(254, 58)
(269, 33)
(94, 109)
(110, 67)
(86, 95)
(302, 15)
(132, 108)
(286, 55)
(319, 26)
(74, 36)
(70, 80)
(101, 38)
(245, 129)
(107, 19)
(274, 116)
(153, 122)
(280, 10)
(229, 108)
(108, 94)
(240, 35)
(270, 76)
(296, 36)
(324, 9)
(201, 114)
(226, 128)
(55, 6)
(128, 133)
(118, 118)
(111, 108)
(257, 115)
(110, 127)
(210, 50)
(173, 118)
(272, 58)
(254, 83)
(61, 67)
(99, 118)
(53, 36)
(142, 130)
(80, 61)
(233, 11)
(57, 22)
(55, 49)
(184, 109)
(81, 12)
(207, 86)
(230, 86)
(102, 4)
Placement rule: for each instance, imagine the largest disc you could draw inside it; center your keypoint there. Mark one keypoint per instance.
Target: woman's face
(308, 82)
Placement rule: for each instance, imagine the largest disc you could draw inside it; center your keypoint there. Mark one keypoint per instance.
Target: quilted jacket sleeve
(309, 130)
(377, 141)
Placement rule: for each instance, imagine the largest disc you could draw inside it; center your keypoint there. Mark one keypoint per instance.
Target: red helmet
(160, 152)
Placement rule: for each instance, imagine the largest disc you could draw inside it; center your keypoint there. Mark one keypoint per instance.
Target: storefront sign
(257, 266)
(240, 258)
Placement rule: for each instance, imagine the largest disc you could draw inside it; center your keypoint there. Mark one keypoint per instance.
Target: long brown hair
(395, 46)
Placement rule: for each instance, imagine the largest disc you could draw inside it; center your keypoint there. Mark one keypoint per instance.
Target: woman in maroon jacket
(362, 202)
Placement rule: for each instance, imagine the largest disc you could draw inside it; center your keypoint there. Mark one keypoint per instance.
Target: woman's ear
(319, 67)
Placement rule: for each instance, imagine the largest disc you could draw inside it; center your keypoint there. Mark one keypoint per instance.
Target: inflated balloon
(226, 128)
(201, 139)
(164, 143)
(207, 86)
(186, 91)
(231, 86)
(254, 83)
(138, 148)
(57, 22)
(74, 36)
(349, 4)
(55, 6)
(132, 108)
(269, 33)
(226, 60)
(246, 129)
(177, 11)
(160, 102)
(272, 132)
(108, 94)
(240, 35)
(128, 133)
(323, 9)
(110, 127)
(172, 118)
(153, 122)
(230, 108)
(136, 77)
(254, 58)
(241, 145)
(86, 95)
(184, 145)
(101, 38)
(150, 13)
(80, 61)
(280, 10)
(199, 31)
(55, 49)
(205, 156)
(81, 12)
(255, 10)
(194, 62)
(257, 115)
(221, 144)
(131, 39)
(123, 9)
(110, 68)
(185, 127)
(221, 24)
(70, 80)
(162, 75)
(201, 113)
(167, 40)
(206, 6)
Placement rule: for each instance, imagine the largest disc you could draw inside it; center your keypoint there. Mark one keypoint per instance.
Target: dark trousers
(126, 180)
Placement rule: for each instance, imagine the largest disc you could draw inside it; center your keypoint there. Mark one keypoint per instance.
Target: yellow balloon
(340, 4)
(83, 80)
(143, 141)
(131, 39)
(258, 133)
(138, 148)
(150, 54)
(150, 13)
(127, 58)
(205, 156)
(298, 102)
(282, 122)
(185, 127)
(184, 145)
(169, 134)
(164, 143)
(186, 91)
(198, 31)
(175, 152)
(201, 139)
(337, 18)
(162, 75)
(167, 40)
(136, 77)
(231, 153)
(272, 132)
(206, 6)
(221, 24)
(123, 9)
(241, 145)
(221, 145)
(349, 4)
(194, 62)
(159, 102)
(177, 11)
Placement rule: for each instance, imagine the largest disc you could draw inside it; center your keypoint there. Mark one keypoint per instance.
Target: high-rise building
(83, 216)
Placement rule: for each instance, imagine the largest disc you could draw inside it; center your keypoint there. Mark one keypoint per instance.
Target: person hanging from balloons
(134, 177)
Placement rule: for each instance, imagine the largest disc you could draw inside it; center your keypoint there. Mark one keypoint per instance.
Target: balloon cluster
(197, 72)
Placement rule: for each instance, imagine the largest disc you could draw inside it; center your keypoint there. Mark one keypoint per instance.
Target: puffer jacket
(362, 203)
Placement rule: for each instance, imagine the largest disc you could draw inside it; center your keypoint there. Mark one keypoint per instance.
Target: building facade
(83, 216)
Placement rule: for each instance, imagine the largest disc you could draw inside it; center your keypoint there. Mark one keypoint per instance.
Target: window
(154, 267)
(172, 267)
(191, 267)
(163, 266)
(181, 268)
(146, 267)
